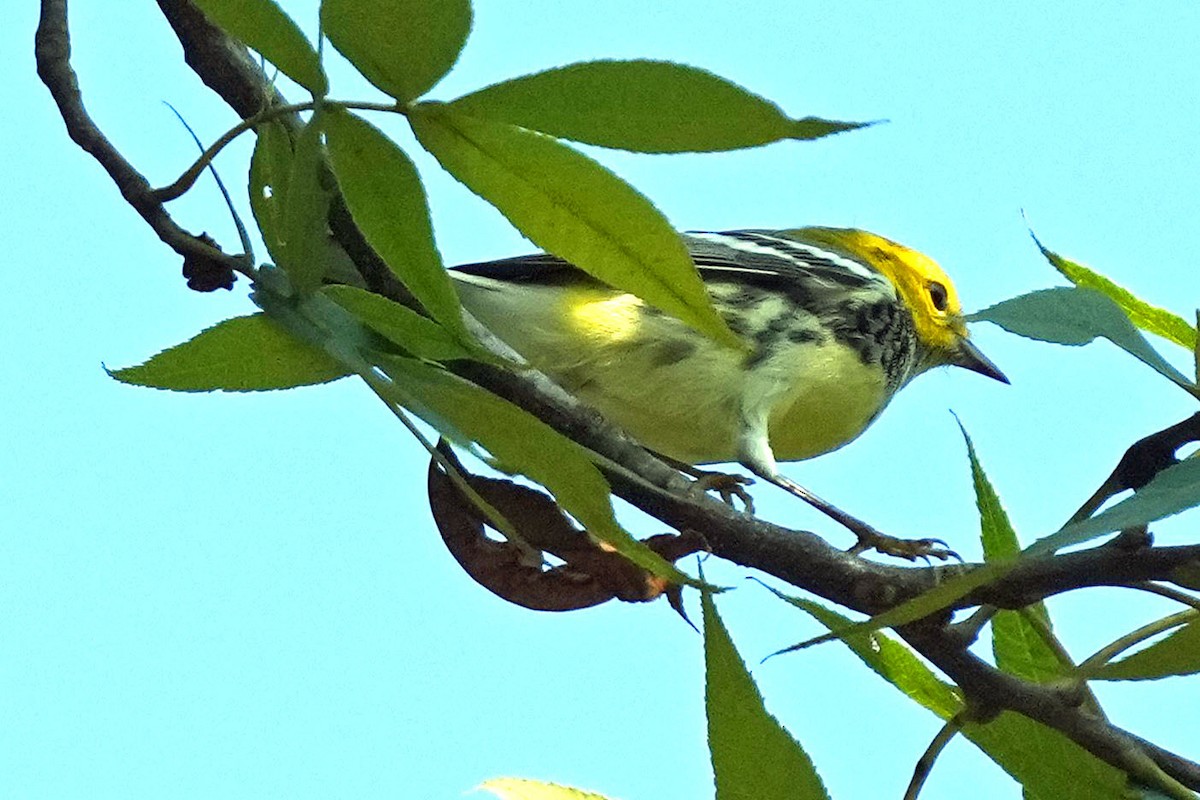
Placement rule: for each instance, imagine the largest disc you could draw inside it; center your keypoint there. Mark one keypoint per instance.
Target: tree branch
(1143, 460)
(221, 62)
(995, 691)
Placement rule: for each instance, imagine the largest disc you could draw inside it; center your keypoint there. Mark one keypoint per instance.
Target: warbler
(838, 320)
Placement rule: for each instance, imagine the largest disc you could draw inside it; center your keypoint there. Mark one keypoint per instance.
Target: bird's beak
(968, 356)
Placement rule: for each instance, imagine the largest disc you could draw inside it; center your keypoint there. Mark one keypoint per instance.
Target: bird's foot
(725, 484)
(868, 537)
(909, 549)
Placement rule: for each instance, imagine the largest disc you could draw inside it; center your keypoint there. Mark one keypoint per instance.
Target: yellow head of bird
(922, 285)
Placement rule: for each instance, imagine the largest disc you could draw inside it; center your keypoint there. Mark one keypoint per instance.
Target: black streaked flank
(672, 351)
(769, 339)
(805, 336)
(737, 323)
(744, 297)
(881, 332)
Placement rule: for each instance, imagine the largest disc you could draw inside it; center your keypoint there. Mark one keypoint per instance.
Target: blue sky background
(244, 596)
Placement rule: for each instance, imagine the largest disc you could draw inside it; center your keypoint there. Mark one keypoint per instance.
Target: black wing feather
(536, 268)
(779, 261)
(716, 260)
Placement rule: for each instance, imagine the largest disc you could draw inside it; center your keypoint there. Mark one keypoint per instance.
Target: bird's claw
(908, 549)
(727, 486)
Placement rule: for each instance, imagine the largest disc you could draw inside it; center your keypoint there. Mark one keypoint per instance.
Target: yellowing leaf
(404, 47)
(647, 106)
(940, 596)
(574, 208)
(524, 789)
(242, 354)
(1147, 317)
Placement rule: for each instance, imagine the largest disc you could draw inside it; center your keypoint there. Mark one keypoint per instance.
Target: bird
(837, 321)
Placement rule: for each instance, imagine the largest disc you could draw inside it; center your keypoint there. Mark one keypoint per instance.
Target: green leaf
(1147, 317)
(242, 354)
(574, 208)
(996, 532)
(519, 441)
(887, 657)
(753, 756)
(524, 789)
(1017, 645)
(270, 167)
(647, 106)
(404, 47)
(1076, 317)
(264, 27)
(1177, 654)
(387, 201)
(1175, 489)
(929, 602)
(1045, 762)
(418, 335)
(305, 212)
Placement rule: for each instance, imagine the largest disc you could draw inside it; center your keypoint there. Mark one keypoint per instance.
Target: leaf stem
(497, 520)
(189, 177)
(1168, 592)
(1111, 651)
(243, 236)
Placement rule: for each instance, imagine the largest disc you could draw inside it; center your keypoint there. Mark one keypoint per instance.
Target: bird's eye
(937, 293)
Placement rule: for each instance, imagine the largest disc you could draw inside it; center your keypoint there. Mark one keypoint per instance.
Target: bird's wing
(764, 257)
(751, 256)
(536, 268)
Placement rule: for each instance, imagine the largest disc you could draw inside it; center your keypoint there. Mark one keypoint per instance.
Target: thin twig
(185, 181)
(243, 236)
(925, 763)
(189, 177)
(53, 52)
(1134, 638)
